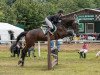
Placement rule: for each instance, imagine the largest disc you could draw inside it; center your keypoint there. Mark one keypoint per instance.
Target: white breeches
(49, 23)
(84, 50)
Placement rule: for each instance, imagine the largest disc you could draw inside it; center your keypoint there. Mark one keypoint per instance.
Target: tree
(10, 2)
(97, 3)
(86, 3)
(31, 13)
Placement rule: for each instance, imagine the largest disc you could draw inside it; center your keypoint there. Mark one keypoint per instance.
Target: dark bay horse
(35, 35)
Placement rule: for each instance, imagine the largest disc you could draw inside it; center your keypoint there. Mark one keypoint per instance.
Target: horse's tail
(20, 36)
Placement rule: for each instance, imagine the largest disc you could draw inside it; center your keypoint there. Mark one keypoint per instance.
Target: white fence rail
(41, 42)
(92, 41)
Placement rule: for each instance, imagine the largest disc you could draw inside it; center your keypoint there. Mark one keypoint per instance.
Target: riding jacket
(54, 19)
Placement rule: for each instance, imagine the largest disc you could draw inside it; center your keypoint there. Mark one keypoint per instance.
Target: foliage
(31, 13)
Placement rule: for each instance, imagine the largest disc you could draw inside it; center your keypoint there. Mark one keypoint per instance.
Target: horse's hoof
(21, 63)
(34, 56)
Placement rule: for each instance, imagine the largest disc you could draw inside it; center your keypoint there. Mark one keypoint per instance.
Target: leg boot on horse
(23, 54)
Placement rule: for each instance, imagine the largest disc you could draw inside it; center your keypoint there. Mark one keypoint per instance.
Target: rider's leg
(49, 23)
(85, 51)
(81, 54)
(84, 55)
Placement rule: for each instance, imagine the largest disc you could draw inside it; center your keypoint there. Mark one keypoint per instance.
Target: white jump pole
(39, 48)
(54, 43)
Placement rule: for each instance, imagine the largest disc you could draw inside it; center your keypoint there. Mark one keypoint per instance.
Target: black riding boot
(84, 55)
(81, 54)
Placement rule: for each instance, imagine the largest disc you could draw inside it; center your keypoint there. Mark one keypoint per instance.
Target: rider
(54, 19)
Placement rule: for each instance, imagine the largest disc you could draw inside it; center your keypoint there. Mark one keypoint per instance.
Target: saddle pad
(44, 29)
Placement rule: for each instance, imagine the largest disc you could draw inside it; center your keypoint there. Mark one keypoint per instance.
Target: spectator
(58, 43)
(33, 51)
(83, 50)
(78, 36)
(75, 38)
(98, 38)
(85, 37)
(95, 35)
(51, 44)
(11, 33)
(15, 49)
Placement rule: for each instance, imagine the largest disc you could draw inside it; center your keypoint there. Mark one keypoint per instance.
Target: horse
(35, 35)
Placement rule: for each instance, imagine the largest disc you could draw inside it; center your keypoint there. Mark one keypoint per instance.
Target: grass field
(69, 64)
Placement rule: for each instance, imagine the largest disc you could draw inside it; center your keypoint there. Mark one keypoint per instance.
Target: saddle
(46, 30)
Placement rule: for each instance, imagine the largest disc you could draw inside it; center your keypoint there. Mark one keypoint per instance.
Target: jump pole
(51, 63)
(49, 52)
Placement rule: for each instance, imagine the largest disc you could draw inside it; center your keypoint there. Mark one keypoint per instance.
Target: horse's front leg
(23, 54)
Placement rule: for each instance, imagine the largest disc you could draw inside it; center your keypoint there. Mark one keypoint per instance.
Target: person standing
(83, 51)
(52, 44)
(56, 43)
(59, 42)
(11, 33)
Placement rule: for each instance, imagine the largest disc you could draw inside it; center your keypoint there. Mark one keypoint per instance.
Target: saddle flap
(45, 29)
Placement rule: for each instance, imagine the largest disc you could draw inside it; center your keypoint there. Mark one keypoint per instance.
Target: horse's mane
(67, 23)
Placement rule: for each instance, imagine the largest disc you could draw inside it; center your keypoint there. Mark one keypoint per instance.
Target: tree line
(31, 13)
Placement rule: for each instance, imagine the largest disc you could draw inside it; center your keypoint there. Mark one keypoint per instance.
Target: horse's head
(70, 25)
(63, 32)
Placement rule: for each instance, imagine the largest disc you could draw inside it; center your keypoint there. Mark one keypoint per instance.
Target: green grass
(69, 64)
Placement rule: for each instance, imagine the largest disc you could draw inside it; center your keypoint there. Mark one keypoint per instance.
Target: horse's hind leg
(18, 52)
(23, 54)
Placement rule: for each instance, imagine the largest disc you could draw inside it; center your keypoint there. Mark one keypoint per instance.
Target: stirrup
(51, 33)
